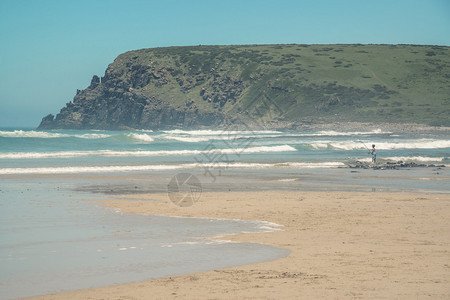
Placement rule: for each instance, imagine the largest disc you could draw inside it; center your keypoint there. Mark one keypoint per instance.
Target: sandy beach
(343, 245)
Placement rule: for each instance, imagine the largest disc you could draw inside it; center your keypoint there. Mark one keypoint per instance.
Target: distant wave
(218, 132)
(207, 135)
(92, 136)
(226, 136)
(141, 137)
(67, 154)
(189, 139)
(46, 135)
(106, 169)
(357, 145)
(337, 133)
(32, 134)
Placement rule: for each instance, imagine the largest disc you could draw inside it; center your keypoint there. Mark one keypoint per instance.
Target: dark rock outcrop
(115, 104)
(390, 165)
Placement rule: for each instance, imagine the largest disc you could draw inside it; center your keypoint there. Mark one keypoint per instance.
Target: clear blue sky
(51, 48)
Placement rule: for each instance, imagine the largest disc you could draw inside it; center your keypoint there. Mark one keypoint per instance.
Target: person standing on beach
(374, 155)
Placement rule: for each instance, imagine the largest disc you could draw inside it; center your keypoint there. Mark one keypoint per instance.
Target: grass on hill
(376, 83)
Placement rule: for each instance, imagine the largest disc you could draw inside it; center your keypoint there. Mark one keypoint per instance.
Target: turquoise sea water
(69, 151)
(49, 233)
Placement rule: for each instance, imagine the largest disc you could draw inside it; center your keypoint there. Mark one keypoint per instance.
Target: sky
(51, 48)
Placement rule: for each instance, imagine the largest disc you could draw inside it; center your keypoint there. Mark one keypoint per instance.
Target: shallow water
(52, 241)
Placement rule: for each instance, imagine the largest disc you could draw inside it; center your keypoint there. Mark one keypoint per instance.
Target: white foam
(188, 139)
(207, 135)
(269, 228)
(282, 148)
(59, 154)
(337, 133)
(213, 165)
(361, 145)
(228, 136)
(67, 154)
(194, 136)
(32, 134)
(415, 144)
(219, 132)
(141, 137)
(92, 136)
(327, 133)
(45, 134)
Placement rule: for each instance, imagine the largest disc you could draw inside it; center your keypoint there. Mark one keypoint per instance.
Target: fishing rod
(364, 145)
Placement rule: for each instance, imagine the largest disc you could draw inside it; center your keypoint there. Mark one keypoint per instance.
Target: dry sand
(343, 245)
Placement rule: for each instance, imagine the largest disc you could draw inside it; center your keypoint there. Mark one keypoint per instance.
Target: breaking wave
(337, 133)
(141, 137)
(67, 154)
(92, 136)
(31, 134)
(106, 169)
(360, 145)
(207, 135)
(219, 132)
(47, 135)
(189, 139)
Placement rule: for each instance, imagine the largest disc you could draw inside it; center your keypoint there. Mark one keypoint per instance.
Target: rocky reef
(391, 165)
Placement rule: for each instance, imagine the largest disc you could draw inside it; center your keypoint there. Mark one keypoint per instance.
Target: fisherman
(374, 155)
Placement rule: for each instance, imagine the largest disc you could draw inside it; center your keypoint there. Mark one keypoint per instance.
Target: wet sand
(343, 245)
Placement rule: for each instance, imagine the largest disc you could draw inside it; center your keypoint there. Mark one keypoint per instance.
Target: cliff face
(211, 86)
(115, 104)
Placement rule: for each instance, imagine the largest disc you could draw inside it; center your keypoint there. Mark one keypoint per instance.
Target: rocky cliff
(280, 85)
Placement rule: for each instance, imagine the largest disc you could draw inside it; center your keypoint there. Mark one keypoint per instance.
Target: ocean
(49, 232)
(73, 151)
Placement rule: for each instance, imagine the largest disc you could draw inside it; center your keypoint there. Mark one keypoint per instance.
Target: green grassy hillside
(295, 83)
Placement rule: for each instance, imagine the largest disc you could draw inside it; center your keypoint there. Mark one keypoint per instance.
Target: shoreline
(343, 244)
